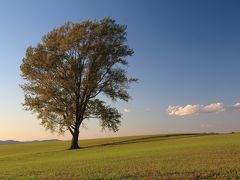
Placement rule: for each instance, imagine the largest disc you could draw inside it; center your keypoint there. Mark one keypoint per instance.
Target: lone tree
(74, 64)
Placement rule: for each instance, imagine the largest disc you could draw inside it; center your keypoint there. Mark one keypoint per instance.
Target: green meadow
(189, 156)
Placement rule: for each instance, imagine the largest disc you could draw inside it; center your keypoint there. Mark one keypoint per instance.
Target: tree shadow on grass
(152, 138)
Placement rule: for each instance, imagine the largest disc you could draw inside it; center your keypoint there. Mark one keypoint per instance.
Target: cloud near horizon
(198, 109)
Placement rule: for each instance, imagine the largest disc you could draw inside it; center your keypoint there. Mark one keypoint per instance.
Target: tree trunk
(74, 144)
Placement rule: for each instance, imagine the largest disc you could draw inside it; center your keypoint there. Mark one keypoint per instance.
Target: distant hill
(22, 142)
(9, 142)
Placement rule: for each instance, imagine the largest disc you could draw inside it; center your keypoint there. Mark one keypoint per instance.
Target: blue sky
(186, 53)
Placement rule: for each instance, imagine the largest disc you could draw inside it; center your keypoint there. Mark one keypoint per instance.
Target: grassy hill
(190, 156)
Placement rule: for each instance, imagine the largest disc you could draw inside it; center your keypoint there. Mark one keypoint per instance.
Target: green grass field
(193, 156)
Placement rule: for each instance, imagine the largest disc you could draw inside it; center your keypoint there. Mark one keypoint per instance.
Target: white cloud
(216, 107)
(236, 106)
(126, 110)
(197, 109)
(182, 111)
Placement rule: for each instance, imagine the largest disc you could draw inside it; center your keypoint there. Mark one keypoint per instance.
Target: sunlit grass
(151, 157)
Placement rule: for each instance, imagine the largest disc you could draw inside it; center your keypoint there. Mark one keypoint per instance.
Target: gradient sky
(186, 53)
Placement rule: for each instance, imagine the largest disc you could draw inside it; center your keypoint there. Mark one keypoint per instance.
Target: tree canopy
(67, 71)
